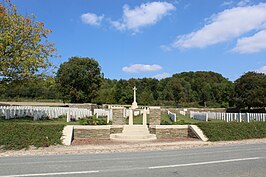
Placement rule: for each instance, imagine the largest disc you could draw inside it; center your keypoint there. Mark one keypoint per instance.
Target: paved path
(247, 160)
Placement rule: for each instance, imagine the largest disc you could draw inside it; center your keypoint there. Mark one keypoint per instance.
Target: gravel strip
(114, 147)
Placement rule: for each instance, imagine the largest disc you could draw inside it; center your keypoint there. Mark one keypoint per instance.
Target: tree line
(80, 80)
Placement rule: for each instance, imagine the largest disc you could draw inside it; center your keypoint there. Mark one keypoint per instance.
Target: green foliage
(204, 88)
(250, 90)
(35, 88)
(24, 48)
(79, 79)
(106, 94)
(83, 121)
(184, 89)
(92, 120)
(223, 131)
(187, 89)
(17, 135)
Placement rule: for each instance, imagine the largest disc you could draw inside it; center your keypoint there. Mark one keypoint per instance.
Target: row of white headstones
(9, 112)
(37, 112)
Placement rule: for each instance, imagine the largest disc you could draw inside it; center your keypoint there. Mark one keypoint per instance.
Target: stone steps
(142, 129)
(134, 133)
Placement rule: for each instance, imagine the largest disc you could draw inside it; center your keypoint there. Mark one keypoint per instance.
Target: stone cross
(135, 89)
(134, 104)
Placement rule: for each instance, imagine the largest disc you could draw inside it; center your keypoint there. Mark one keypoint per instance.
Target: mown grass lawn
(180, 120)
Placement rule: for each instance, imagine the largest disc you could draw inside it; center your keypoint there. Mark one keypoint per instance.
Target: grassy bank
(222, 131)
(19, 135)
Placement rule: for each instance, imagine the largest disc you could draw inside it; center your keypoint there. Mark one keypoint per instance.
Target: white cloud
(137, 68)
(261, 70)
(227, 25)
(143, 15)
(161, 76)
(252, 44)
(243, 2)
(227, 3)
(92, 19)
(165, 48)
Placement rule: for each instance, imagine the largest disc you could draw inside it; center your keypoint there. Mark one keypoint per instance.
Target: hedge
(23, 135)
(223, 131)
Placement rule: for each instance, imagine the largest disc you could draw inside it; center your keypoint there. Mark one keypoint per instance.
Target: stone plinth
(118, 118)
(133, 133)
(155, 115)
(134, 105)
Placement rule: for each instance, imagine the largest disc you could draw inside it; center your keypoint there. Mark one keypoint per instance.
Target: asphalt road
(228, 161)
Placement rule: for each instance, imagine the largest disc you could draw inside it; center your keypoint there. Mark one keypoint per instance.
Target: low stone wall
(103, 132)
(92, 132)
(172, 131)
(191, 133)
(99, 132)
(116, 129)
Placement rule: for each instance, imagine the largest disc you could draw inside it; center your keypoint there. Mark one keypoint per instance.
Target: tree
(79, 79)
(124, 92)
(106, 94)
(33, 88)
(204, 88)
(24, 48)
(177, 90)
(145, 97)
(250, 90)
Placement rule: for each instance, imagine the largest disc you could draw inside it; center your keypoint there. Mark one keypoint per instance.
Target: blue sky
(140, 38)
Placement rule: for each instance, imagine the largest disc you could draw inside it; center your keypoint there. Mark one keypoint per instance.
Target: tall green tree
(106, 94)
(24, 48)
(176, 89)
(205, 88)
(250, 90)
(79, 79)
(124, 92)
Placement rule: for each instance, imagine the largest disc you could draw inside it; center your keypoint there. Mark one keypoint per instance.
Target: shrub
(83, 121)
(92, 120)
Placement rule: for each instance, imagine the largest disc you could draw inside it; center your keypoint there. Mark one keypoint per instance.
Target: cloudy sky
(136, 39)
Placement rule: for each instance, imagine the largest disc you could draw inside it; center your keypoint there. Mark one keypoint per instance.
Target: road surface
(247, 160)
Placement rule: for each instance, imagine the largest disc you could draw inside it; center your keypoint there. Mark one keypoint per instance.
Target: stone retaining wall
(161, 131)
(172, 131)
(191, 134)
(116, 130)
(96, 132)
(92, 132)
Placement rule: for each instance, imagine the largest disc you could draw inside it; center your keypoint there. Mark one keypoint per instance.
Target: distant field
(31, 103)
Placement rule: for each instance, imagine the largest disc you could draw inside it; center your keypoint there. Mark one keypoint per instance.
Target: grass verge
(223, 131)
(15, 135)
